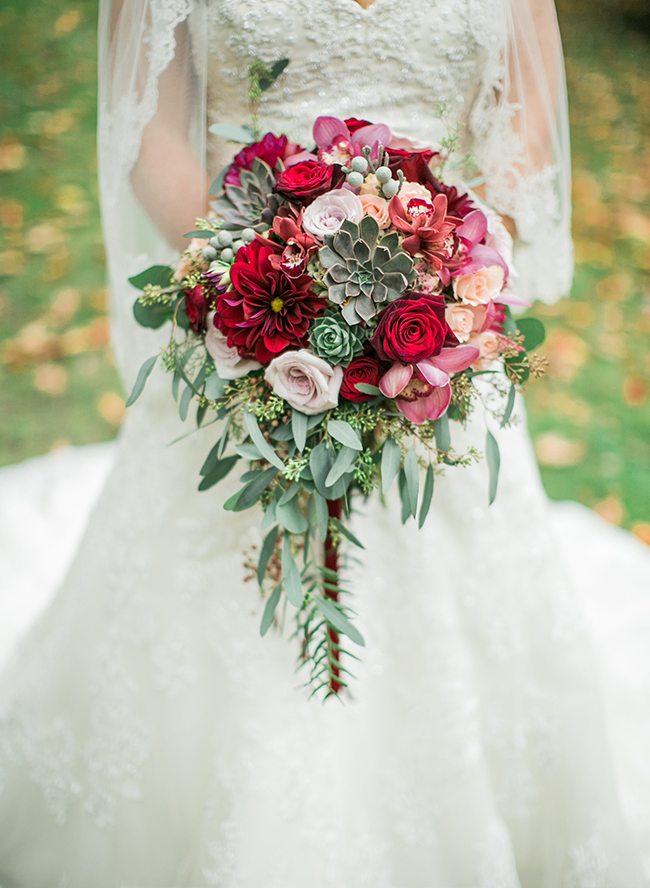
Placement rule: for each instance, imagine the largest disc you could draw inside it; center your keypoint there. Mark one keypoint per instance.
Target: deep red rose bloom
(414, 164)
(197, 306)
(353, 124)
(412, 328)
(267, 312)
(304, 181)
(270, 149)
(363, 369)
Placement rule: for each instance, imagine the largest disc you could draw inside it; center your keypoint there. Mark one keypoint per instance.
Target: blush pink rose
(481, 287)
(306, 382)
(329, 211)
(487, 344)
(377, 207)
(414, 191)
(461, 321)
(227, 360)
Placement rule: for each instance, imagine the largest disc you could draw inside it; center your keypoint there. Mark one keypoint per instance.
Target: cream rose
(481, 287)
(329, 211)
(226, 358)
(305, 381)
(377, 207)
(488, 345)
(414, 191)
(461, 321)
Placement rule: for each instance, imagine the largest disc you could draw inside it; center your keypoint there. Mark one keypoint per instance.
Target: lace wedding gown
(496, 735)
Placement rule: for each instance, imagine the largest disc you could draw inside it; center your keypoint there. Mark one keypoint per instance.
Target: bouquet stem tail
(334, 508)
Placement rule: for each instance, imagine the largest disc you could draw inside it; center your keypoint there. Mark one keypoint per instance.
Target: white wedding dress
(498, 732)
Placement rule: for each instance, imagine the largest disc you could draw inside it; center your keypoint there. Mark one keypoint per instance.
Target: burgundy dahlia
(270, 149)
(197, 306)
(266, 312)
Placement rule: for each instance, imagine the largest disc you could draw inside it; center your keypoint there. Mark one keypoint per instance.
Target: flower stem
(334, 508)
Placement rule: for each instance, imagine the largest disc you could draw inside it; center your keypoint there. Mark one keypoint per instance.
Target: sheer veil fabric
(149, 736)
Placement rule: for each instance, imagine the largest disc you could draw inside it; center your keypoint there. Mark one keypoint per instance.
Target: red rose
(270, 149)
(304, 181)
(364, 369)
(412, 328)
(197, 304)
(266, 313)
(414, 164)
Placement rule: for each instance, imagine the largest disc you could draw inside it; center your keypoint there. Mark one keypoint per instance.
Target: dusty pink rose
(461, 321)
(227, 360)
(377, 207)
(305, 381)
(329, 211)
(487, 344)
(481, 287)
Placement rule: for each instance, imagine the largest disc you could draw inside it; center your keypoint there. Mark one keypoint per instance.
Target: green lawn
(590, 416)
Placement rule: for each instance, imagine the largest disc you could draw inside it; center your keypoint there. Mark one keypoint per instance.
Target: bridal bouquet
(333, 312)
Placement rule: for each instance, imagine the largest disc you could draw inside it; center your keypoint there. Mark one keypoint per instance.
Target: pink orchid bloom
(337, 144)
(425, 387)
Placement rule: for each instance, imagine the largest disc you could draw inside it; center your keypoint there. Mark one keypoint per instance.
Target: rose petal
(396, 380)
(453, 360)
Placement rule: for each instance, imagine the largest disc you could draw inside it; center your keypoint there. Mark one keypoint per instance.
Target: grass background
(589, 416)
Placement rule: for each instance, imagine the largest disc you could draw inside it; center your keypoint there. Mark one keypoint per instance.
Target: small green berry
(238, 244)
(383, 175)
(224, 238)
(227, 255)
(248, 235)
(359, 164)
(355, 179)
(214, 242)
(209, 254)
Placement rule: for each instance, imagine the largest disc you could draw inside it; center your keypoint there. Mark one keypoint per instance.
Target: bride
(149, 736)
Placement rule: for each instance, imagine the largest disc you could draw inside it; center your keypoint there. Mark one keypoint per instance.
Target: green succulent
(251, 204)
(364, 270)
(335, 341)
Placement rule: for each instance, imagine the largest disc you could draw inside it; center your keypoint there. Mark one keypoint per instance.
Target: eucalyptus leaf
(391, 456)
(344, 462)
(215, 386)
(344, 433)
(290, 516)
(315, 419)
(258, 439)
(217, 185)
(299, 427)
(404, 496)
(322, 514)
(270, 609)
(493, 458)
(533, 332)
(248, 451)
(321, 460)
(510, 403)
(232, 133)
(268, 547)
(282, 432)
(291, 574)
(275, 71)
(201, 410)
(141, 380)
(176, 384)
(152, 316)
(156, 276)
(347, 533)
(367, 389)
(218, 471)
(269, 516)
(338, 620)
(184, 403)
(289, 494)
(412, 479)
(254, 488)
(427, 496)
(200, 233)
(225, 435)
(441, 430)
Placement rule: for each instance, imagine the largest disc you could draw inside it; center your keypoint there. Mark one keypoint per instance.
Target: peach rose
(488, 345)
(370, 185)
(461, 321)
(481, 287)
(413, 190)
(377, 207)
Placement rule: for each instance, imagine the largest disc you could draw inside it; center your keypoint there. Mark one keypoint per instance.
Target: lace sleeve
(519, 127)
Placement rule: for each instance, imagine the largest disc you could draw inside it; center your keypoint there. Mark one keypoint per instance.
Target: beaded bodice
(393, 62)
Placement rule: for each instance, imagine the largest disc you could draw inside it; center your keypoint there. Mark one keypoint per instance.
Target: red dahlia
(267, 312)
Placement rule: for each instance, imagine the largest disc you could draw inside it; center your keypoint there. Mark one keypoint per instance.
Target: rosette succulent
(252, 203)
(364, 271)
(333, 339)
